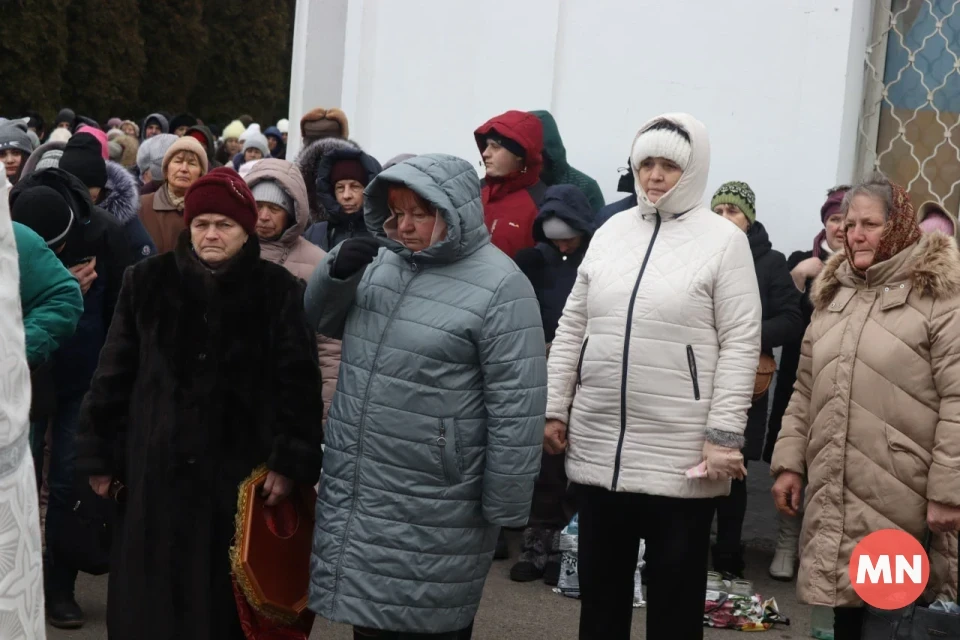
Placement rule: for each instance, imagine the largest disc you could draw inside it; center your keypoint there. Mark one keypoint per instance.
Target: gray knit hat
(49, 159)
(151, 152)
(257, 141)
(13, 135)
(271, 191)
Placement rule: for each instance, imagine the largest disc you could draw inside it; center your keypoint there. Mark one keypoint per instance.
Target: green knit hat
(739, 194)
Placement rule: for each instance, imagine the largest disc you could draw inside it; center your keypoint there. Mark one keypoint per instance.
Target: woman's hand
(806, 270)
(555, 437)
(276, 488)
(722, 463)
(786, 492)
(942, 518)
(101, 485)
(85, 274)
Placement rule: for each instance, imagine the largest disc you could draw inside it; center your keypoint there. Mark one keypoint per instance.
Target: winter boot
(533, 556)
(788, 541)
(502, 551)
(728, 563)
(551, 570)
(63, 612)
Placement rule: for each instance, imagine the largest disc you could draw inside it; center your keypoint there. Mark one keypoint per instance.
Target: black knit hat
(509, 144)
(83, 158)
(46, 212)
(182, 120)
(65, 115)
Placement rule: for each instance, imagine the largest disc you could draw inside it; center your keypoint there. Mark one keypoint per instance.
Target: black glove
(354, 255)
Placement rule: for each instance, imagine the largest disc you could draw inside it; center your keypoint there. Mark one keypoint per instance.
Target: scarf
(901, 230)
(176, 201)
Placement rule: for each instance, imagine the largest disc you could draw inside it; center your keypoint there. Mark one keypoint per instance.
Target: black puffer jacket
(552, 273)
(782, 322)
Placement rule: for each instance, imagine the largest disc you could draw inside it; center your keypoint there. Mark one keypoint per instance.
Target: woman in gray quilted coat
(434, 436)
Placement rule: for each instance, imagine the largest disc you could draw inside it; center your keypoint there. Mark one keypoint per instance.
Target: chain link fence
(910, 123)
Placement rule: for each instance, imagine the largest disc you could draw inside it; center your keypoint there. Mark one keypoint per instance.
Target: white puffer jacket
(659, 341)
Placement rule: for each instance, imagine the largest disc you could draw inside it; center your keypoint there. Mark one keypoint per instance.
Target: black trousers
(731, 511)
(553, 504)
(677, 534)
(375, 634)
(847, 623)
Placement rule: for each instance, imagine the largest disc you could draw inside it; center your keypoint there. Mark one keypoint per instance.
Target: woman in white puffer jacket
(651, 374)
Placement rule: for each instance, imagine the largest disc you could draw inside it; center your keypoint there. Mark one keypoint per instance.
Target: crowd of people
(445, 357)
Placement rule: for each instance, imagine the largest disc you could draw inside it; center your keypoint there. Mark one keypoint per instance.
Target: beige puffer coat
(299, 256)
(874, 421)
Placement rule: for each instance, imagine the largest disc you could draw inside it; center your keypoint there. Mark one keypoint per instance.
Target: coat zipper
(626, 354)
(363, 417)
(442, 443)
(692, 363)
(583, 351)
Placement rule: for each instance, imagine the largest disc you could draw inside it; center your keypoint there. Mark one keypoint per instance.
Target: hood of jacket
(524, 128)
(760, 244)
(932, 266)
(568, 203)
(448, 183)
(160, 118)
(555, 164)
(209, 142)
(288, 176)
(325, 188)
(688, 193)
(122, 200)
(31, 164)
(308, 161)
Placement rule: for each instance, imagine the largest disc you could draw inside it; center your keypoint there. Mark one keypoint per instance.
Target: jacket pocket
(583, 351)
(451, 459)
(692, 364)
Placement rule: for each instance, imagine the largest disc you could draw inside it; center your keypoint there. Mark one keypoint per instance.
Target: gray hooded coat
(434, 437)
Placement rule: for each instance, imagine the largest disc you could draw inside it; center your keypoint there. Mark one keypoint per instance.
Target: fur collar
(123, 194)
(933, 269)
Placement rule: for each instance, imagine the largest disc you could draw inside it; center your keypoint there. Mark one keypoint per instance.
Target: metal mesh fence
(910, 124)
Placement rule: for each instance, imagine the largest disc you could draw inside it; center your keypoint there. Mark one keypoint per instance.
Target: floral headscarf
(901, 231)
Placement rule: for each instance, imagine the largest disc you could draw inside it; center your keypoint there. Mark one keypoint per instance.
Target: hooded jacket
(556, 169)
(298, 256)
(121, 199)
(511, 203)
(49, 294)
(659, 342)
(872, 424)
(435, 434)
(94, 234)
(782, 322)
(161, 120)
(208, 142)
(280, 151)
(21, 591)
(331, 225)
(552, 273)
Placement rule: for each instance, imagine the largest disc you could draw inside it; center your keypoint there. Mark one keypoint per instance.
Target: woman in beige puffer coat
(873, 422)
(280, 182)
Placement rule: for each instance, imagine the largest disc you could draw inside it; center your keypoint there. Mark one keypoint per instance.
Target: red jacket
(510, 204)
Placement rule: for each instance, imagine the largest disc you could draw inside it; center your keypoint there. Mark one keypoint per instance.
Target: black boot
(533, 556)
(502, 551)
(728, 563)
(551, 570)
(63, 612)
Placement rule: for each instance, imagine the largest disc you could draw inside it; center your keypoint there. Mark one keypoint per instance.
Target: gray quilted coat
(434, 437)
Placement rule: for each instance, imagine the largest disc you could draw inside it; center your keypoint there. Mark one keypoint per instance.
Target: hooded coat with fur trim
(332, 225)
(204, 376)
(874, 421)
(297, 255)
(121, 199)
(511, 203)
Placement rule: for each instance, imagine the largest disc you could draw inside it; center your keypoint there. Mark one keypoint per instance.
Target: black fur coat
(204, 377)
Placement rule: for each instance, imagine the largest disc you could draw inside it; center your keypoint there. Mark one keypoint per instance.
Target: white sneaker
(788, 541)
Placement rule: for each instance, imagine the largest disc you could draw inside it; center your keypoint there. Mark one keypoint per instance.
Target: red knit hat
(222, 191)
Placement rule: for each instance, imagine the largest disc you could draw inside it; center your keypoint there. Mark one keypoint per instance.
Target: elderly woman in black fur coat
(209, 371)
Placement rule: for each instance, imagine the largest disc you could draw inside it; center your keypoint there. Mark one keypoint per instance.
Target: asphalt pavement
(532, 611)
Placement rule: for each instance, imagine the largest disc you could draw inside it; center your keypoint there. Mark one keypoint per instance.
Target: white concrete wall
(778, 83)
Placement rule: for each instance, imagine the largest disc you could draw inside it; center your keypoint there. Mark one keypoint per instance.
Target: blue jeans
(60, 578)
